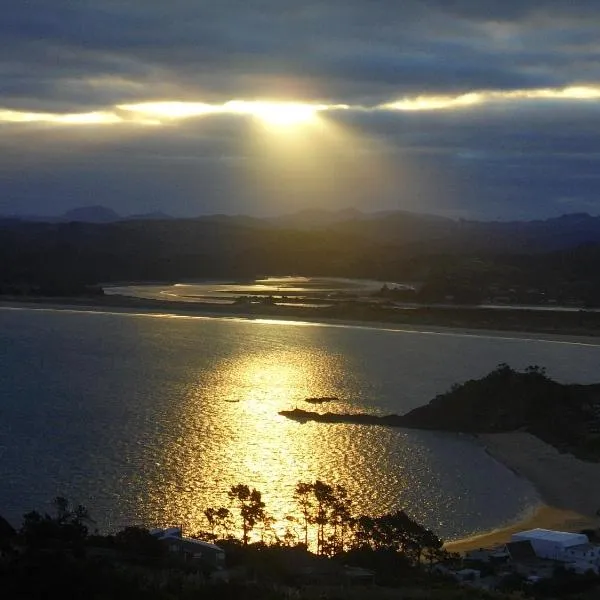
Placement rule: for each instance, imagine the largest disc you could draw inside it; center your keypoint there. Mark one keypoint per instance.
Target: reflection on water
(225, 292)
(230, 424)
(152, 420)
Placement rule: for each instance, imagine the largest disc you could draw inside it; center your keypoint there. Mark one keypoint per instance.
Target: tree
(341, 519)
(397, 532)
(250, 505)
(7, 534)
(219, 520)
(67, 529)
(303, 496)
(329, 508)
(138, 543)
(324, 498)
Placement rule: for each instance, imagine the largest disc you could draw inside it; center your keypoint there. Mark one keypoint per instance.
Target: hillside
(538, 262)
(566, 416)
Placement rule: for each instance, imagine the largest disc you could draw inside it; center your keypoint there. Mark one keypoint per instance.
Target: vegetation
(550, 262)
(55, 556)
(564, 415)
(325, 523)
(52, 553)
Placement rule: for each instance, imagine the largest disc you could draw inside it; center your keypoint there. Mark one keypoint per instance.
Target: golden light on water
(238, 403)
(191, 409)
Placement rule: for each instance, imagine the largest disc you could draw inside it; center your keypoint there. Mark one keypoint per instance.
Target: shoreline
(569, 488)
(306, 316)
(566, 485)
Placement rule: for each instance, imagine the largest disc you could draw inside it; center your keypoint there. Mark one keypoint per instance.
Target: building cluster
(533, 554)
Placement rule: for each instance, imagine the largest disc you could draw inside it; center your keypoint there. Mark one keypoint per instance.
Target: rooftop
(551, 536)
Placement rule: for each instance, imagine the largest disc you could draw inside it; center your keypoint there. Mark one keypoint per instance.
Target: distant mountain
(156, 215)
(82, 214)
(318, 218)
(554, 259)
(91, 214)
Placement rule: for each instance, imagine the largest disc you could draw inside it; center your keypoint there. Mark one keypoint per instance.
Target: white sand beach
(569, 487)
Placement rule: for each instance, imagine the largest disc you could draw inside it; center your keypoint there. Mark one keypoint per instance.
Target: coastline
(299, 316)
(568, 487)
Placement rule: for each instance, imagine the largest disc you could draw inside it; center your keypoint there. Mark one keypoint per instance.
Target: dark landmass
(302, 416)
(356, 557)
(89, 214)
(55, 556)
(523, 321)
(457, 262)
(321, 400)
(566, 416)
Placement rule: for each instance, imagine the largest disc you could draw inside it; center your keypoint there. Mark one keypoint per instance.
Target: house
(190, 549)
(554, 545)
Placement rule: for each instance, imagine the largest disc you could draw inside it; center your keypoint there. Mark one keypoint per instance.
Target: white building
(558, 545)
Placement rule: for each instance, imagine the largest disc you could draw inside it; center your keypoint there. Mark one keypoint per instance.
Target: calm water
(150, 419)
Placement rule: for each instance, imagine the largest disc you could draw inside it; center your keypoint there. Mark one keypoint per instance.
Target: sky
(467, 108)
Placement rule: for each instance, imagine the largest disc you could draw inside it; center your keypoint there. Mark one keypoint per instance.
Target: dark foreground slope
(564, 415)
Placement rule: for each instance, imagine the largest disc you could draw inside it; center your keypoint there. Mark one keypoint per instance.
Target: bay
(150, 419)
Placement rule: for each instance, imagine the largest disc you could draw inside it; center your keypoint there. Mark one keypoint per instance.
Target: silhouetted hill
(455, 261)
(151, 216)
(88, 214)
(566, 416)
(507, 400)
(91, 214)
(317, 218)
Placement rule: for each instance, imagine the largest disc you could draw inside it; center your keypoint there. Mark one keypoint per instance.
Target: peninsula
(545, 431)
(567, 416)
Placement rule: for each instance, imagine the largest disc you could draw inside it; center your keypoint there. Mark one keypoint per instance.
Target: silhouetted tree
(67, 529)
(219, 521)
(329, 509)
(250, 505)
(303, 497)
(398, 532)
(138, 543)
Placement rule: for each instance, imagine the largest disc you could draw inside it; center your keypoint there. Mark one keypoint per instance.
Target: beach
(569, 488)
(308, 316)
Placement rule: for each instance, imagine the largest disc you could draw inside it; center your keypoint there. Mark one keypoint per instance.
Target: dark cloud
(341, 51)
(498, 159)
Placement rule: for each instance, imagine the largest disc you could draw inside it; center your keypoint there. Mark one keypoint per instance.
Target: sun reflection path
(235, 409)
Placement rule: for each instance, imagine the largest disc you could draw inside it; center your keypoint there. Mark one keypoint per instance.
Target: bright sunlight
(282, 114)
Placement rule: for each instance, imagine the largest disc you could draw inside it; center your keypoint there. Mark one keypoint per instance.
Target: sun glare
(283, 114)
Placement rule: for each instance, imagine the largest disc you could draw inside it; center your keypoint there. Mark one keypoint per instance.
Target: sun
(278, 114)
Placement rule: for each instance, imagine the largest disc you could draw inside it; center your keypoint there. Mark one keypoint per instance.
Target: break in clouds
(474, 109)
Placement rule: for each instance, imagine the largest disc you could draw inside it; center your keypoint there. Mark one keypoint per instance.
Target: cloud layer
(485, 109)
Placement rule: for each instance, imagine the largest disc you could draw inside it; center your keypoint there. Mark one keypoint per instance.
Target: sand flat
(569, 487)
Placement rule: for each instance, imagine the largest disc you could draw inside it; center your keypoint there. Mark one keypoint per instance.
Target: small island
(321, 399)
